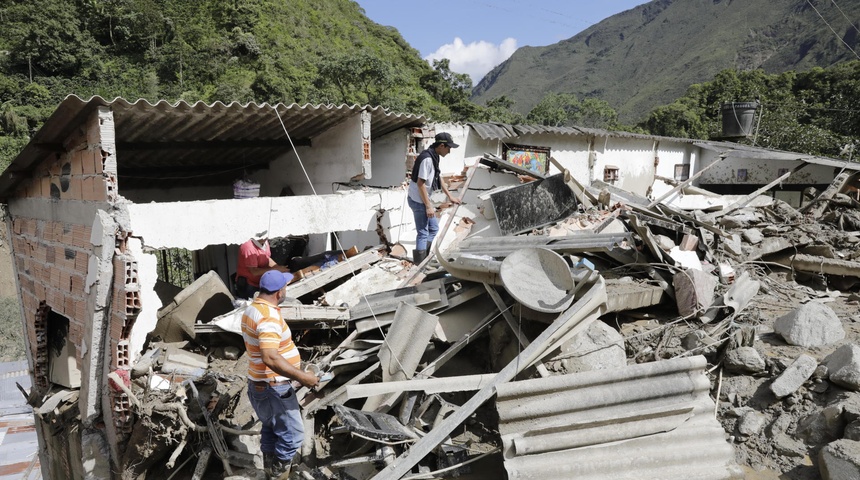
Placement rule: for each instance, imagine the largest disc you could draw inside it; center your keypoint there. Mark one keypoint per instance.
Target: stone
(794, 376)
(751, 423)
(843, 367)
(694, 291)
(744, 360)
(822, 426)
(812, 325)
(733, 245)
(598, 348)
(852, 431)
(752, 236)
(840, 460)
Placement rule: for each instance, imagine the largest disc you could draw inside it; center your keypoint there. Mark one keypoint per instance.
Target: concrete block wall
(50, 224)
(52, 261)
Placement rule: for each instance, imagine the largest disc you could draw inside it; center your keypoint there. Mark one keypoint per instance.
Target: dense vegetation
(813, 112)
(327, 51)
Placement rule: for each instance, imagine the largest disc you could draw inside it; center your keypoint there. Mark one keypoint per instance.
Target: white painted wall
(335, 156)
(764, 171)
(194, 225)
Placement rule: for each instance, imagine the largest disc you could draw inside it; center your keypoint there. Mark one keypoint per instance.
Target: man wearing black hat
(426, 179)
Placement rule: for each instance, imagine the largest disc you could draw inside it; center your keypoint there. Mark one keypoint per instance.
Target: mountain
(649, 55)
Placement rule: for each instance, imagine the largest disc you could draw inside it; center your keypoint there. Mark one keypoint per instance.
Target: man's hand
(455, 200)
(431, 212)
(309, 379)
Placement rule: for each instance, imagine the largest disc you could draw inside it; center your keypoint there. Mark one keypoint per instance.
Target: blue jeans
(278, 410)
(426, 227)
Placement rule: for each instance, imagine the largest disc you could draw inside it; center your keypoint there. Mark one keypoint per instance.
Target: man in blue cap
(425, 180)
(274, 361)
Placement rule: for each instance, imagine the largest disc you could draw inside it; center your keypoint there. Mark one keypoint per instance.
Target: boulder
(744, 360)
(843, 367)
(751, 423)
(812, 325)
(694, 291)
(840, 460)
(598, 348)
(794, 376)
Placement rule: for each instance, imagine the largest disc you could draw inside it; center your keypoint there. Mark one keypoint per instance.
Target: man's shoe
(268, 458)
(281, 469)
(418, 256)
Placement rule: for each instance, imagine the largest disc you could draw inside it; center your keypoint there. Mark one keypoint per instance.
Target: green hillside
(650, 55)
(304, 51)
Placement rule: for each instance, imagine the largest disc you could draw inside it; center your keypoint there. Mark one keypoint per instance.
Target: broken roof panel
(232, 135)
(651, 420)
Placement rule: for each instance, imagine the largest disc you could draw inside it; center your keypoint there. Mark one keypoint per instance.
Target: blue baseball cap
(274, 280)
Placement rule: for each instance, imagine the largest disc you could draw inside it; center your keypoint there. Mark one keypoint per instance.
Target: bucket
(245, 189)
(738, 118)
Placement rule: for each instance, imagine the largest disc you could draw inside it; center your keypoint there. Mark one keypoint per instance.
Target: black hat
(444, 138)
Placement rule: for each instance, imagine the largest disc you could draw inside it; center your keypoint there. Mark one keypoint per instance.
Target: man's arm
(451, 198)
(282, 367)
(425, 199)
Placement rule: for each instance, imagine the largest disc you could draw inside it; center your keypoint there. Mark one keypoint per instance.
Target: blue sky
(477, 35)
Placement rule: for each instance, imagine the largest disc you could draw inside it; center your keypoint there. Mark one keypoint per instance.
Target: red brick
(82, 263)
(75, 190)
(99, 159)
(78, 162)
(87, 162)
(81, 311)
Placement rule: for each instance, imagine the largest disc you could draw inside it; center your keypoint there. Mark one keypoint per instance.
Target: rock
(744, 360)
(752, 235)
(843, 367)
(794, 376)
(231, 353)
(852, 431)
(751, 423)
(665, 243)
(694, 291)
(811, 325)
(600, 347)
(787, 446)
(822, 426)
(840, 460)
(733, 245)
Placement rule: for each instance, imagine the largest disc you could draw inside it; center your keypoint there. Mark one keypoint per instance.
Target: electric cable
(832, 30)
(339, 246)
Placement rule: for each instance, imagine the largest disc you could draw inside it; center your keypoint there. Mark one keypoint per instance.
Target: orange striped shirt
(264, 327)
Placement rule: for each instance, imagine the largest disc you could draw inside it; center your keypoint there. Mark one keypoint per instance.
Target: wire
(336, 239)
(846, 16)
(832, 30)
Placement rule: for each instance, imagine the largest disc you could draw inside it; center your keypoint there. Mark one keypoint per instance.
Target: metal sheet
(652, 420)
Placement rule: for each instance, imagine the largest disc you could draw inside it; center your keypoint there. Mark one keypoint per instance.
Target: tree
(361, 78)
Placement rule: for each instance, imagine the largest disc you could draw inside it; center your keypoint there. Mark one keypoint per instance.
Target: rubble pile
(599, 343)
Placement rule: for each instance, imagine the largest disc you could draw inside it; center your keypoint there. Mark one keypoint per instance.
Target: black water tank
(738, 118)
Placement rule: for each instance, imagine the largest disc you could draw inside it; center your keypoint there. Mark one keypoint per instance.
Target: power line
(832, 30)
(846, 16)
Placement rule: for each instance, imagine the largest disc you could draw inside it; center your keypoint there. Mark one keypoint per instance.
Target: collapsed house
(576, 252)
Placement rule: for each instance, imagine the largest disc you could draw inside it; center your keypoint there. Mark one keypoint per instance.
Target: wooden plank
(342, 269)
(512, 323)
(462, 383)
(747, 199)
(431, 252)
(494, 161)
(588, 307)
(686, 182)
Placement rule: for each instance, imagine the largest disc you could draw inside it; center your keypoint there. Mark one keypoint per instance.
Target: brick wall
(52, 260)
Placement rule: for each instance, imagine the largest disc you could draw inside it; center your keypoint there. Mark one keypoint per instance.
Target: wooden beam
(342, 269)
(211, 145)
(686, 182)
(581, 313)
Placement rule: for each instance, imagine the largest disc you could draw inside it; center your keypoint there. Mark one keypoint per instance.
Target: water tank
(738, 118)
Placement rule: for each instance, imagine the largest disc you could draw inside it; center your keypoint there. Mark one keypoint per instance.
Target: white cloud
(476, 58)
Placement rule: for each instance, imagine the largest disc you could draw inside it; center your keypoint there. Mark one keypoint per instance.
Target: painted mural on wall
(531, 158)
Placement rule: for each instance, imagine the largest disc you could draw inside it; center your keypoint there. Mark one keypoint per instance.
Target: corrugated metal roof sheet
(652, 420)
(499, 131)
(179, 131)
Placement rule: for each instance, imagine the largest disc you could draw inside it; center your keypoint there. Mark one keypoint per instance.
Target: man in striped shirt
(274, 362)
